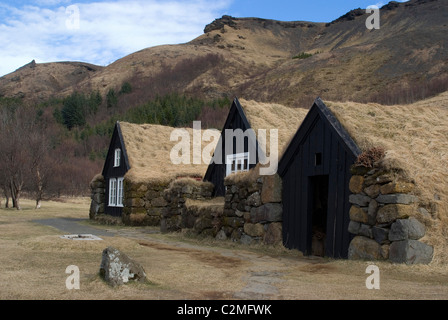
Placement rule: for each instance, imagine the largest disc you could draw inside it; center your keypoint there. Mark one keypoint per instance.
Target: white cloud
(107, 30)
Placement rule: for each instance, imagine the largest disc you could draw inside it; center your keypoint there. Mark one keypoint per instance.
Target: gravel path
(73, 226)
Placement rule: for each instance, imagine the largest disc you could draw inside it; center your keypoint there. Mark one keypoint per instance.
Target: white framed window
(119, 192)
(237, 163)
(117, 157)
(116, 192)
(112, 192)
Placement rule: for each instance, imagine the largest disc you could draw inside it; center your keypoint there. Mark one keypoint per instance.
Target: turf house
(137, 171)
(356, 181)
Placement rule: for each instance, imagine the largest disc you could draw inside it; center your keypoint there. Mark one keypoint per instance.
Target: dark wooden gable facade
(113, 172)
(216, 172)
(315, 170)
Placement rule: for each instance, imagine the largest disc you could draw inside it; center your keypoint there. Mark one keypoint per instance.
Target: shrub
(111, 99)
(370, 157)
(302, 55)
(126, 88)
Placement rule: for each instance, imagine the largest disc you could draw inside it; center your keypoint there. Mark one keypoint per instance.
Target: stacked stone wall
(98, 197)
(252, 210)
(175, 215)
(384, 217)
(143, 202)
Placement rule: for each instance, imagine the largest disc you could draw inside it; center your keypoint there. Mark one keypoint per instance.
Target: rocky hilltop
(273, 61)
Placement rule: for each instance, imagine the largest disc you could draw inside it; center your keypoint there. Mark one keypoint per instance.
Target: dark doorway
(318, 214)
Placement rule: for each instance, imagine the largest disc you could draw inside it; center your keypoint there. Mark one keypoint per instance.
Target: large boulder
(117, 268)
(364, 248)
(410, 252)
(403, 229)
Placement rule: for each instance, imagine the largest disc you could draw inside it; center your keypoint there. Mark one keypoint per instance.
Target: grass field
(33, 260)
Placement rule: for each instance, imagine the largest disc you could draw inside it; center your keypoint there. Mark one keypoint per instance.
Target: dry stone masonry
(384, 211)
(175, 215)
(143, 202)
(98, 197)
(383, 218)
(250, 212)
(253, 210)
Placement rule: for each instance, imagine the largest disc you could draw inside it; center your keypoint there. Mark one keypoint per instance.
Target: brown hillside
(40, 81)
(405, 60)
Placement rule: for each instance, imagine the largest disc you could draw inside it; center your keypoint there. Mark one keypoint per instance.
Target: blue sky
(103, 31)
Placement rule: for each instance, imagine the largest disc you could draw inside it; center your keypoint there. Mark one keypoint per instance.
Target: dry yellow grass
(269, 116)
(415, 138)
(149, 147)
(33, 260)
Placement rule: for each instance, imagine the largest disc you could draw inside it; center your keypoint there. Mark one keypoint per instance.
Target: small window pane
(117, 157)
(120, 192)
(112, 192)
(318, 159)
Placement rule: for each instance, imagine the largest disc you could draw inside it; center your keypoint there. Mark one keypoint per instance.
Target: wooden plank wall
(317, 136)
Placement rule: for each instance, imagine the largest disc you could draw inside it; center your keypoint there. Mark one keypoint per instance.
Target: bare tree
(41, 164)
(16, 129)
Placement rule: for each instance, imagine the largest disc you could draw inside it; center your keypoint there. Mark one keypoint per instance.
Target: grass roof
(415, 139)
(274, 116)
(148, 148)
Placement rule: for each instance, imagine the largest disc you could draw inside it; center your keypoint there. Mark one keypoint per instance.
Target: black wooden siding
(109, 171)
(320, 137)
(216, 173)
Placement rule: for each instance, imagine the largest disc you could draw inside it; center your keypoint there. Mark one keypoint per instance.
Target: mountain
(273, 61)
(42, 81)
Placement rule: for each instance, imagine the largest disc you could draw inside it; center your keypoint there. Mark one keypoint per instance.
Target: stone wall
(175, 216)
(150, 203)
(384, 217)
(252, 210)
(203, 217)
(98, 197)
(144, 202)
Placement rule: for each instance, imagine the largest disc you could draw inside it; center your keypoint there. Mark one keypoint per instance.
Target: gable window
(117, 157)
(116, 192)
(318, 159)
(237, 163)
